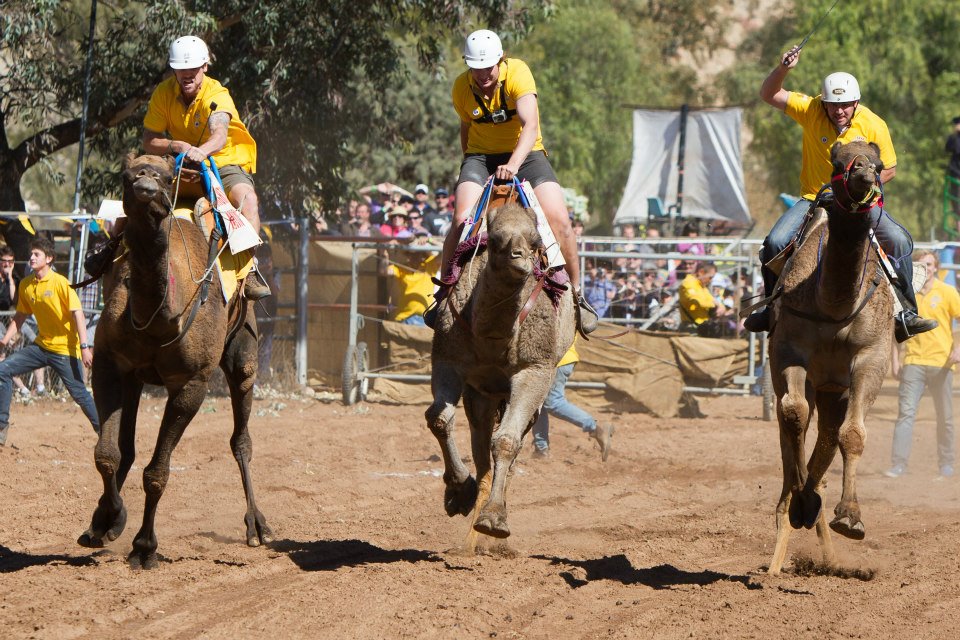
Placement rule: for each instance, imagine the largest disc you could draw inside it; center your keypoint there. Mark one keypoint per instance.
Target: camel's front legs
(239, 363)
(851, 437)
(528, 391)
(482, 415)
(118, 398)
(461, 488)
(793, 414)
(182, 406)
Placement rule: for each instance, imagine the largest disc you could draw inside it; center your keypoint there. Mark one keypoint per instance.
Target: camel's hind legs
(118, 398)
(239, 364)
(460, 493)
(182, 406)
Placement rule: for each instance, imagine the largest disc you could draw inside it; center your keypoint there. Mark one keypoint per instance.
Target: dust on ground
(668, 539)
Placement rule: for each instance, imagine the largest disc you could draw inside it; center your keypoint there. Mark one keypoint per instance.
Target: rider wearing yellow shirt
(496, 100)
(193, 114)
(836, 115)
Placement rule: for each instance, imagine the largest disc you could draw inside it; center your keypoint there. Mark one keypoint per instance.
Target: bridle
(839, 184)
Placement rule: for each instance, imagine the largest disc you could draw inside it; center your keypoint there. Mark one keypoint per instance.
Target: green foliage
(903, 54)
(308, 78)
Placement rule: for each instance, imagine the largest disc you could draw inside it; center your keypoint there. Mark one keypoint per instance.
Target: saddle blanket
(232, 267)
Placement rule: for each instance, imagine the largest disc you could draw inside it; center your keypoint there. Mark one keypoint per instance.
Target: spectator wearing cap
(415, 223)
(421, 196)
(438, 222)
(396, 225)
(953, 167)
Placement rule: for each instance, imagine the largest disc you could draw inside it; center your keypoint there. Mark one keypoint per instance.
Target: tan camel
(829, 349)
(145, 336)
(500, 363)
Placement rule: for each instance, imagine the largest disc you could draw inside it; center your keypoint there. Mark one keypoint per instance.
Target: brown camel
(500, 359)
(829, 349)
(144, 336)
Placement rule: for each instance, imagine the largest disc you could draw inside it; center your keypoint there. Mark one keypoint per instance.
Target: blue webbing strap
(208, 188)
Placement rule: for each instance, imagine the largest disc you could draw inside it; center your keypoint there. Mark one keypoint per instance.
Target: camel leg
(461, 488)
(239, 364)
(793, 414)
(530, 389)
(482, 415)
(852, 437)
(831, 408)
(182, 406)
(118, 398)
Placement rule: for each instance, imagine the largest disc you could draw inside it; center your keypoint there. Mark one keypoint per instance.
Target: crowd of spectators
(641, 287)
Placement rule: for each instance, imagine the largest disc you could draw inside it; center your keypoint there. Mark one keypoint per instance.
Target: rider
(193, 114)
(496, 99)
(836, 115)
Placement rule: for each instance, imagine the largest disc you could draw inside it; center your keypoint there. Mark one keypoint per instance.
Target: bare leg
(467, 195)
(244, 196)
(550, 195)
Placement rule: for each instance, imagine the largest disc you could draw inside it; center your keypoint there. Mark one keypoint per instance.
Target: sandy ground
(668, 539)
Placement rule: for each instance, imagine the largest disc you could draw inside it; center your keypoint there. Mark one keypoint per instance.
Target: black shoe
(758, 321)
(908, 324)
(587, 318)
(98, 260)
(430, 315)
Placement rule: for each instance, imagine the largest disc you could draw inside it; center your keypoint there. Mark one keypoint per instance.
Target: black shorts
(477, 167)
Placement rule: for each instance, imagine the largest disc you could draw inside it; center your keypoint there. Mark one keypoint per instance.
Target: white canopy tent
(713, 175)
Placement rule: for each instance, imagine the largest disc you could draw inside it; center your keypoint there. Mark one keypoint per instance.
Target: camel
(497, 343)
(145, 336)
(829, 349)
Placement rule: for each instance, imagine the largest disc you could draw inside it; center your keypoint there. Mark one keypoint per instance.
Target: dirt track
(668, 539)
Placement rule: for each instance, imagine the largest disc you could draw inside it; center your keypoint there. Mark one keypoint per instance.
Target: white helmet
(840, 87)
(188, 52)
(482, 49)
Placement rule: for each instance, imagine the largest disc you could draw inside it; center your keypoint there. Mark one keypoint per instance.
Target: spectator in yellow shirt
(61, 336)
(928, 363)
(697, 304)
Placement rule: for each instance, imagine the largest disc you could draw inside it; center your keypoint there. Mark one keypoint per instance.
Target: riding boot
(255, 287)
(587, 318)
(100, 258)
(430, 315)
(759, 320)
(907, 323)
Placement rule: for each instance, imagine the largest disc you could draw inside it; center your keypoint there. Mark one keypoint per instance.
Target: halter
(841, 191)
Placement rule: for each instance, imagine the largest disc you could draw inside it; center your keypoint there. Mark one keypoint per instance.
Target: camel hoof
(93, 538)
(258, 532)
(142, 560)
(805, 509)
(460, 498)
(845, 526)
(493, 526)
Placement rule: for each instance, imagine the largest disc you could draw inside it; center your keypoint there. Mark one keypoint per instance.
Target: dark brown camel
(501, 364)
(149, 297)
(829, 349)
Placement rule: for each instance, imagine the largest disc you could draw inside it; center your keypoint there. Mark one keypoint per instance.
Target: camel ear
(834, 150)
(171, 163)
(876, 149)
(128, 160)
(492, 215)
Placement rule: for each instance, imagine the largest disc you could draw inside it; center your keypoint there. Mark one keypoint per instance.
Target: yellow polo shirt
(819, 134)
(571, 355)
(52, 301)
(696, 301)
(166, 113)
(932, 348)
(489, 137)
(414, 289)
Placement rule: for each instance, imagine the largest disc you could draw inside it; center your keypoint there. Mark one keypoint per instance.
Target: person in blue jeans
(558, 406)
(928, 363)
(61, 341)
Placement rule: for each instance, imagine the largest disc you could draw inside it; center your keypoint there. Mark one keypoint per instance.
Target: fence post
(303, 272)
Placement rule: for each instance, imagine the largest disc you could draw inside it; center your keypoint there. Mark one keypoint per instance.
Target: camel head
(513, 241)
(147, 180)
(856, 172)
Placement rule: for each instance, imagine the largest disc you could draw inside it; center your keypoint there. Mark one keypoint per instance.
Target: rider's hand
(194, 154)
(506, 172)
(790, 58)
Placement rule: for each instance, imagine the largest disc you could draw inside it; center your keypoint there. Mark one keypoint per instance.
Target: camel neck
(842, 267)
